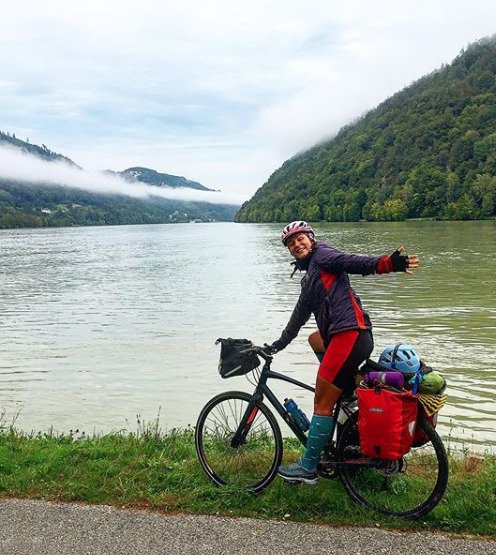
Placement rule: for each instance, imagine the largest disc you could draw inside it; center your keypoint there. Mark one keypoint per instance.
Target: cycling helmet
(296, 227)
(400, 357)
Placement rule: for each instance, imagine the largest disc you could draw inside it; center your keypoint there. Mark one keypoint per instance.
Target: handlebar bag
(235, 357)
(387, 421)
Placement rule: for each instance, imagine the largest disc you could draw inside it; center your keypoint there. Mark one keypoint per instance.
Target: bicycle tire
(252, 465)
(409, 488)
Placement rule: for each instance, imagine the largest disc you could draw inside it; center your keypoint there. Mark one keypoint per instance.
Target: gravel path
(41, 528)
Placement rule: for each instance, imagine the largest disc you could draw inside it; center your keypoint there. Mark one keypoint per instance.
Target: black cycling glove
(273, 349)
(399, 261)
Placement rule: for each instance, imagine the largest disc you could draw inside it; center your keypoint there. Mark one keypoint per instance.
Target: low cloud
(20, 167)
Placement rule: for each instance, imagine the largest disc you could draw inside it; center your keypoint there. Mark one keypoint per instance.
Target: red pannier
(387, 421)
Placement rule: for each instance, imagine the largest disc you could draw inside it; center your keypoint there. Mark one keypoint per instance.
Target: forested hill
(6, 139)
(29, 205)
(157, 179)
(428, 151)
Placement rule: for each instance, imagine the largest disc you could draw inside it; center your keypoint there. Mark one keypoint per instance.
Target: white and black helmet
(294, 228)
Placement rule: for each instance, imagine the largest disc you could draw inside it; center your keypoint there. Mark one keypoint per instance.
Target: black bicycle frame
(261, 390)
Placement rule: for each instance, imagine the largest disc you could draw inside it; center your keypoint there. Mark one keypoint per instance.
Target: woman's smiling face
(300, 246)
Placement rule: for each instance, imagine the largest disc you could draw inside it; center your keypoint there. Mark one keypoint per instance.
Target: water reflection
(100, 324)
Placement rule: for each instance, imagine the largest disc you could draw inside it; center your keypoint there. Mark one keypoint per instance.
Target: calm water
(100, 325)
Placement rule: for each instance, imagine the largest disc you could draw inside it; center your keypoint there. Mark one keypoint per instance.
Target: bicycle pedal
(327, 473)
(293, 483)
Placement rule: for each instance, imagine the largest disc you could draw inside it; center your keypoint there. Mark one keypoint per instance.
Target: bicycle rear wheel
(407, 488)
(251, 465)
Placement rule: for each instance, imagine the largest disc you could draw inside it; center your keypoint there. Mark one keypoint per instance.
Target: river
(106, 327)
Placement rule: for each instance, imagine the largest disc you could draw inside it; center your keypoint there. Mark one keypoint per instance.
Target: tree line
(51, 206)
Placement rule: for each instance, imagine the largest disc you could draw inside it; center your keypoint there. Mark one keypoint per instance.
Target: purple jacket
(327, 294)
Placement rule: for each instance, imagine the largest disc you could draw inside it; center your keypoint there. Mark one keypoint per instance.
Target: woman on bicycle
(344, 338)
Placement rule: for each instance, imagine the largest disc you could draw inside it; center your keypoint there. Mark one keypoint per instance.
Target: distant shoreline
(492, 219)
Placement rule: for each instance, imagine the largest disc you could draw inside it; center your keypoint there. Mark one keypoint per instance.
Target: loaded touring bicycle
(239, 442)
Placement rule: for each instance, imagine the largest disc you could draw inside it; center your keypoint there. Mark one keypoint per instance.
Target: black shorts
(345, 353)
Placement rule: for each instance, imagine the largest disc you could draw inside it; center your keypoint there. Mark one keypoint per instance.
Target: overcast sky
(221, 92)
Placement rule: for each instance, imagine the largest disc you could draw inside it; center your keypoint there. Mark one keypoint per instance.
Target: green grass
(160, 471)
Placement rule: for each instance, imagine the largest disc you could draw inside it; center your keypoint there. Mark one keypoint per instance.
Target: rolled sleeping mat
(393, 379)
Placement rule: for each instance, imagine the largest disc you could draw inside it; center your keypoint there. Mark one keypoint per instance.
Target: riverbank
(148, 469)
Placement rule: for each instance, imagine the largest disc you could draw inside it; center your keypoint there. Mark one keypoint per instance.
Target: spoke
(218, 425)
(261, 424)
(241, 410)
(223, 415)
(232, 410)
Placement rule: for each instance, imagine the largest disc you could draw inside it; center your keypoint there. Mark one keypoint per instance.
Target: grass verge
(160, 471)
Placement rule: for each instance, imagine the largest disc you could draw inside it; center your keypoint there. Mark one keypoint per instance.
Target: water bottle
(298, 415)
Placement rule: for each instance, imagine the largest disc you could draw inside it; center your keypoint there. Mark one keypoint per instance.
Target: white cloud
(24, 168)
(218, 91)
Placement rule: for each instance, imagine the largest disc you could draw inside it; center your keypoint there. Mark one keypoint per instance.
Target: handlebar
(264, 351)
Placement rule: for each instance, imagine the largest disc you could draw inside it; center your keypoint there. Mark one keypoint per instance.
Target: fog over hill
(28, 163)
(40, 187)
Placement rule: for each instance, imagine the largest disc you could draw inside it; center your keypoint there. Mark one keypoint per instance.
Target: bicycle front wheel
(407, 488)
(251, 465)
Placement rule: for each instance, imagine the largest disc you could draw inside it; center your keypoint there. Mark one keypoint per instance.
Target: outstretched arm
(335, 261)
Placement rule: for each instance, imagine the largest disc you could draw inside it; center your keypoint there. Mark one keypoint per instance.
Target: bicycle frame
(261, 390)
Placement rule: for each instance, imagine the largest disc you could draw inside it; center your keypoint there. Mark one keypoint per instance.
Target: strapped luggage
(387, 421)
(429, 407)
(427, 388)
(236, 358)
